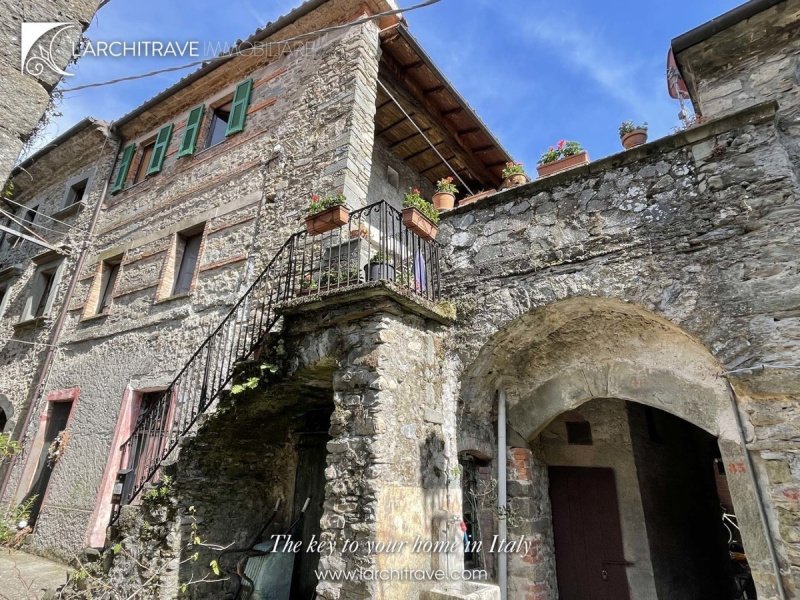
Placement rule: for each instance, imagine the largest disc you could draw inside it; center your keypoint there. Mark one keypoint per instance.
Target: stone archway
(559, 357)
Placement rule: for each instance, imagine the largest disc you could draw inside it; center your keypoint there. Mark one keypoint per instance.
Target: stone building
(28, 81)
(590, 369)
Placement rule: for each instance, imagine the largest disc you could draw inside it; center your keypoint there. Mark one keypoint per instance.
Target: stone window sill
(70, 210)
(95, 317)
(175, 297)
(33, 323)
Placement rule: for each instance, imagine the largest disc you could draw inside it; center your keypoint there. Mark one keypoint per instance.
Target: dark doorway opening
(56, 424)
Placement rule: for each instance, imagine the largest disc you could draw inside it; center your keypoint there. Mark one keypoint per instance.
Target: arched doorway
(589, 354)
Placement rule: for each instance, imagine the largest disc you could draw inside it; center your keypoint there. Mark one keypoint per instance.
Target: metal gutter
(721, 23)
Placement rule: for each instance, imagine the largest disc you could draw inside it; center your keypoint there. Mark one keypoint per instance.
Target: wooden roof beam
(393, 125)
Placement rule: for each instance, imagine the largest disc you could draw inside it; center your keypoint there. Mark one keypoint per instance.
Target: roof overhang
(444, 116)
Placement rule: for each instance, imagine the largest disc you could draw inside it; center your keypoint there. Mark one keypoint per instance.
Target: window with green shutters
(241, 100)
(193, 122)
(124, 167)
(160, 149)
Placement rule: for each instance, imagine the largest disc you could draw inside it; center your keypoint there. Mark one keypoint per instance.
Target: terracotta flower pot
(634, 138)
(329, 219)
(568, 162)
(444, 200)
(515, 180)
(419, 224)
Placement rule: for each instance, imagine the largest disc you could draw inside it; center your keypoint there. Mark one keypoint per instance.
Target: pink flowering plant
(562, 149)
(322, 203)
(414, 199)
(446, 186)
(513, 168)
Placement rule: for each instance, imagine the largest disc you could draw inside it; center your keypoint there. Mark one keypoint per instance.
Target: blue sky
(535, 71)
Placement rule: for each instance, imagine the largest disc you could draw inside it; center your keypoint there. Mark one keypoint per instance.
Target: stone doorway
(555, 363)
(636, 506)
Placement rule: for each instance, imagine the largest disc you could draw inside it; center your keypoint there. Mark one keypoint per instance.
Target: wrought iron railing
(374, 245)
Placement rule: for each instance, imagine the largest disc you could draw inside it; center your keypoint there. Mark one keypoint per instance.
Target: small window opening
(76, 193)
(46, 280)
(186, 257)
(219, 125)
(579, 433)
(108, 281)
(27, 219)
(147, 154)
(393, 178)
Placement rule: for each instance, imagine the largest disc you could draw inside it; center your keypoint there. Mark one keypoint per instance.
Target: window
(109, 272)
(4, 293)
(76, 192)
(27, 216)
(144, 161)
(193, 122)
(579, 433)
(46, 284)
(187, 254)
(159, 151)
(124, 167)
(43, 288)
(219, 125)
(231, 116)
(393, 177)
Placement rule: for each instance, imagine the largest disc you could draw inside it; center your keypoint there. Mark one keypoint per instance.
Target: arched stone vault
(562, 355)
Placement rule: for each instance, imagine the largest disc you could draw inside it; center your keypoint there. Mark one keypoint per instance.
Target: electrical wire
(242, 51)
(21, 220)
(46, 216)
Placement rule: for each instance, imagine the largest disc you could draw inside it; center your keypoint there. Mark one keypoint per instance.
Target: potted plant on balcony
(632, 135)
(419, 215)
(514, 175)
(565, 155)
(326, 213)
(380, 267)
(445, 196)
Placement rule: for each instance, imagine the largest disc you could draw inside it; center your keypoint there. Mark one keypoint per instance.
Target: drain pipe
(762, 511)
(502, 468)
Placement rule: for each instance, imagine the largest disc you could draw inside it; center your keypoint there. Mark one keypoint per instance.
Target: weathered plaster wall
(24, 97)
(679, 227)
(251, 191)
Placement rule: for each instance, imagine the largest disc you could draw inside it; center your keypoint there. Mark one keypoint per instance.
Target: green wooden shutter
(241, 100)
(124, 167)
(160, 149)
(193, 121)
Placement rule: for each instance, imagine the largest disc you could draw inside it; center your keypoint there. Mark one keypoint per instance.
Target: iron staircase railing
(373, 245)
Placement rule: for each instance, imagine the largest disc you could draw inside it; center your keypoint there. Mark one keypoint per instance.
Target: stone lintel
(355, 303)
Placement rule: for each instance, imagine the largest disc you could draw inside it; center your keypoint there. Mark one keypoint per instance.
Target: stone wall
(698, 229)
(25, 97)
(250, 192)
(44, 184)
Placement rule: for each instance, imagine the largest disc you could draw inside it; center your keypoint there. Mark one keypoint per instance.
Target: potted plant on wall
(380, 267)
(419, 215)
(514, 175)
(445, 196)
(632, 135)
(564, 155)
(326, 213)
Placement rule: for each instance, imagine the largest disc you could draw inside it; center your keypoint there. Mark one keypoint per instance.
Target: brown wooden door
(590, 561)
